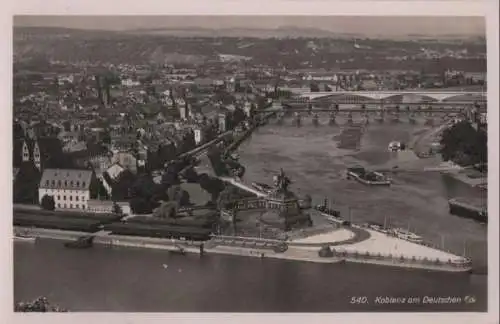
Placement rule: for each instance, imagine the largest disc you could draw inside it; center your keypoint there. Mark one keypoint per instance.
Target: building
(222, 122)
(106, 206)
(198, 135)
(248, 109)
(130, 83)
(126, 160)
(114, 170)
(96, 156)
(43, 152)
(71, 189)
(183, 112)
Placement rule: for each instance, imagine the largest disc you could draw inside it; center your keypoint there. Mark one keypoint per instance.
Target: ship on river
(367, 177)
(468, 208)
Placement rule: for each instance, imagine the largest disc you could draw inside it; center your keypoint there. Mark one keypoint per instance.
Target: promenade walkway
(243, 186)
(337, 237)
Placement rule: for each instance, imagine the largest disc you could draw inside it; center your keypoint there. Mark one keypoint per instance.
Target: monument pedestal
(283, 212)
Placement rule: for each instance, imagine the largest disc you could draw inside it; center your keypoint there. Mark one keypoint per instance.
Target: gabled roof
(69, 179)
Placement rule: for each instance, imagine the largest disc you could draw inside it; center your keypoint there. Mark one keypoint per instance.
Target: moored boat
(407, 235)
(468, 208)
(24, 238)
(364, 176)
(83, 242)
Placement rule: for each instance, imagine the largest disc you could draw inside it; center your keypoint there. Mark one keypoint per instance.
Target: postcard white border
(488, 9)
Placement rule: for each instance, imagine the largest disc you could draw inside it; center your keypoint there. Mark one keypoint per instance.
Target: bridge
(436, 96)
(369, 111)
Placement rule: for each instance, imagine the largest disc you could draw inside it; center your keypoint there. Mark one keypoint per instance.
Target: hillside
(154, 46)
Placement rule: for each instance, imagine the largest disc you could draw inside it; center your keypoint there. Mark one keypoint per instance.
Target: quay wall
(253, 247)
(233, 146)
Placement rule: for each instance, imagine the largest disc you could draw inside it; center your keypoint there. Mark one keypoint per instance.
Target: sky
(341, 24)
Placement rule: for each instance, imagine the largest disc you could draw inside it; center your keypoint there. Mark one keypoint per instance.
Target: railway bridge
(408, 95)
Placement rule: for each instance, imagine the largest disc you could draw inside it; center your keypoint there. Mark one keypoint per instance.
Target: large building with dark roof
(71, 189)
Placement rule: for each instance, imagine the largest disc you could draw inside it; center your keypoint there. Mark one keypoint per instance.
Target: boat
(468, 208)
(24, 238)
(364, 176)
(407, 235)
(396, 146)
(83, 242)
(377, 227)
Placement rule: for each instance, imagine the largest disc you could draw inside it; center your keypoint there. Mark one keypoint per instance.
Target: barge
(367, 177)
(468, 208)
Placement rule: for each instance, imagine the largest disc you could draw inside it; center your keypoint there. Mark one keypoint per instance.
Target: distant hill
(286, 46)
(280, 32)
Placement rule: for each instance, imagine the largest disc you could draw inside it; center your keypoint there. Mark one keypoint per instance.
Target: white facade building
(130, 83)
(182, 112)
(198, 136)
(222, 122)
(69, 188)
(114, 170)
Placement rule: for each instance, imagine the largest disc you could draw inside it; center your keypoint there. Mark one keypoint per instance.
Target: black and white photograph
(250, 164)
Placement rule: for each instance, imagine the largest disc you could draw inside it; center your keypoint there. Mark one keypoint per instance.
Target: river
(133, 280)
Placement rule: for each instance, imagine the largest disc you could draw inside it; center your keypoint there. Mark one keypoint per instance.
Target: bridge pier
(315, 119)
(366, 118)
(349, 118)
(412, 118)
(297, 120)
(381, 116)
(332, 120)
(280, 118)
(395, 118)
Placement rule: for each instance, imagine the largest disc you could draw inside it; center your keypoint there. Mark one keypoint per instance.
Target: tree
(139, 205)
(26, 184)
(167, 210)
(314, 87)
(122, 185)
(48, 202)
(464, 145)
(238, 116)
(102, 193)
(185, 199)
(213, 186)
(190, 175)
(144, 187)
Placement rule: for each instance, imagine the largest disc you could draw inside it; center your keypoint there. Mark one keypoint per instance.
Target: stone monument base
(275, 220)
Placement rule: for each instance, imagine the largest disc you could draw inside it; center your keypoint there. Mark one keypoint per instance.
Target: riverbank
(251, 247)
(422, 143)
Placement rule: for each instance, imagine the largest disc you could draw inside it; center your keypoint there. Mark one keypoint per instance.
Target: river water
(134, 280)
